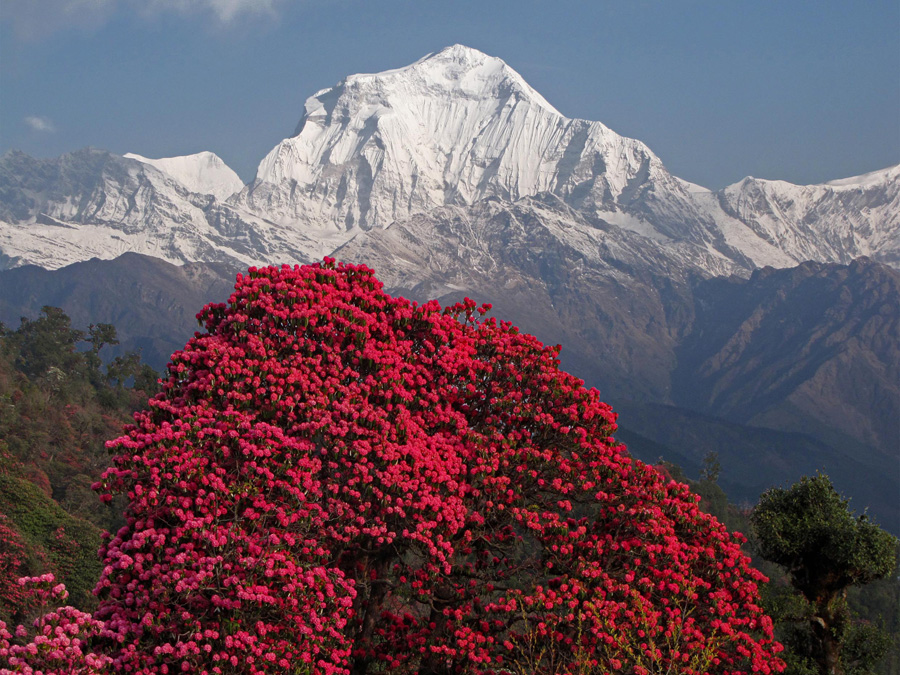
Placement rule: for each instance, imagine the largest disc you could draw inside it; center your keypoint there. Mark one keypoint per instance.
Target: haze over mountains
(453, 177)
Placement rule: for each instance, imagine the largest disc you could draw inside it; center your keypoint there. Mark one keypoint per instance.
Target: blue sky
(800, 91)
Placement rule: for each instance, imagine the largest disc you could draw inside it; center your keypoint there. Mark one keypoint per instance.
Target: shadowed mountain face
(755, 458)
(807, 357)
(152, 304)
(812, 349)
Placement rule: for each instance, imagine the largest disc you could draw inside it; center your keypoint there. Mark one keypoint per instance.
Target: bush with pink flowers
(59, 641)
(333, 480)
(337, 481)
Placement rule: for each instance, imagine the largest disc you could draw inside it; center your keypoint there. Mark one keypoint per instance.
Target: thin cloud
(225, 11)
(41, 124)
(36, 19)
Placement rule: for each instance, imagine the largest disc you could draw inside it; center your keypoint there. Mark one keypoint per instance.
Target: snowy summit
(453, 128)
(204, 173)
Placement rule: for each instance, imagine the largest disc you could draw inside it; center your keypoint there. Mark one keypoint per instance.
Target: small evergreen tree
(99, 335)
(809, 530)
(711, 467)
(47, 343)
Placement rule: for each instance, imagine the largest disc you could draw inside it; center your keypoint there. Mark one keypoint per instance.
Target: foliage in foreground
(336, 481)
(870, 632)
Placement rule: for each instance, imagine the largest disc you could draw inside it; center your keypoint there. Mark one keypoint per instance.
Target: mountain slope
(152, 303)
(755, 458)
(731, 349)
(813, 349)
(460, 126)
(453, 128)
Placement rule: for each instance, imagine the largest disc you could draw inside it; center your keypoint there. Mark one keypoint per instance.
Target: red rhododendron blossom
(337, 481)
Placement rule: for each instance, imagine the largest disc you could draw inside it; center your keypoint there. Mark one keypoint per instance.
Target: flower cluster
(60, 641)
(334, 480)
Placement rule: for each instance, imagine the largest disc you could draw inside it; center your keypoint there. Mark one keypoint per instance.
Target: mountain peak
(203, 172)
(476, 72)
(456, 71)
(454, 127)
(459, 52)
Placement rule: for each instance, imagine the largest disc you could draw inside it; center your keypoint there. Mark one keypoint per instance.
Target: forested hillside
(59, 404)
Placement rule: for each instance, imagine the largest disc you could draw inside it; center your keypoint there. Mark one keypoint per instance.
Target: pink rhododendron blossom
(59, 641)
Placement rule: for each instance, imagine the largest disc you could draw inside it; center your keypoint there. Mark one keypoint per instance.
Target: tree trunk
(829, 656)
(433, 664)
(379, 588)
(828, 628)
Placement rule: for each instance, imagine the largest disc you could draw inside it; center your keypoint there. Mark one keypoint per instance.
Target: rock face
(835, 222)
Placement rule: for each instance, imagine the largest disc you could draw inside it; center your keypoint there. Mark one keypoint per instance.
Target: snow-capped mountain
(204, 173)
(93, 204)
(460, 126)
(452, 130)
(836, 222)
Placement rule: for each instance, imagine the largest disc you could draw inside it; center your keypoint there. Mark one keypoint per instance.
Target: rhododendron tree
(334, 480)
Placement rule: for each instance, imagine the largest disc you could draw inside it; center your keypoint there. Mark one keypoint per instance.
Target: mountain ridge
(203, 173)
(453, 129)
